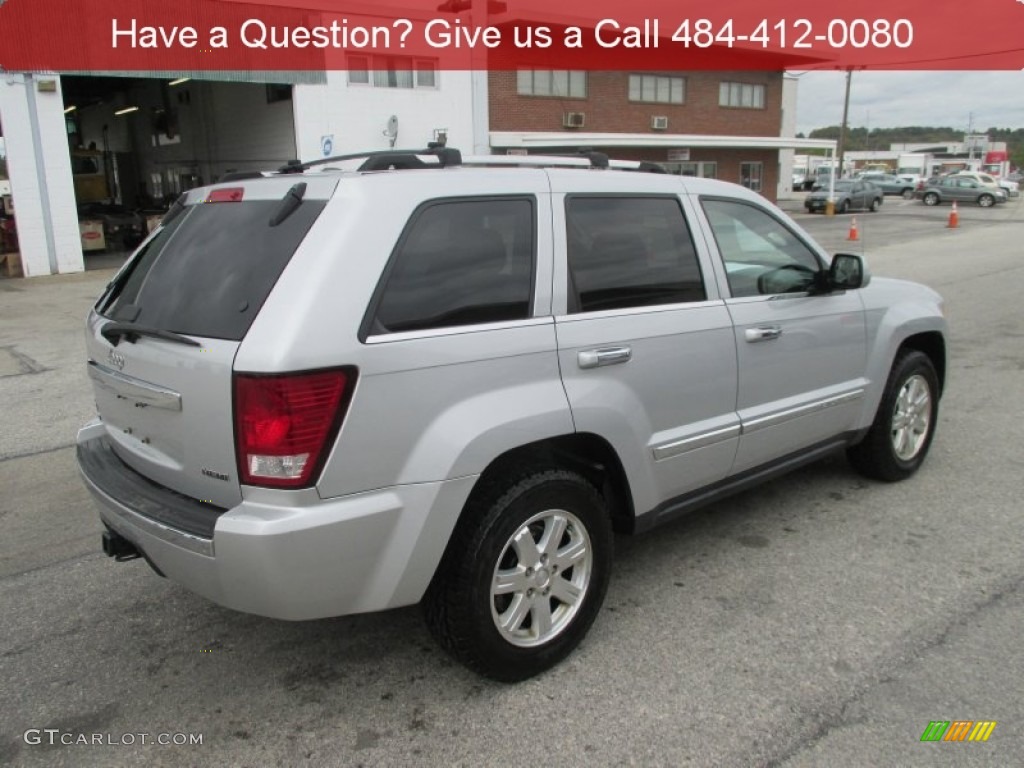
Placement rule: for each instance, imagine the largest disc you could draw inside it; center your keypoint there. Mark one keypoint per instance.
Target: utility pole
(842, 128)
(837, 170)
(970, 139)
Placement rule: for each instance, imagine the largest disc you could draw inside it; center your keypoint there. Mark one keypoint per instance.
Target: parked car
(120, 225)
(1010, 187)
(962, 189)
(850, 194)
(324, 393)
(890, 184)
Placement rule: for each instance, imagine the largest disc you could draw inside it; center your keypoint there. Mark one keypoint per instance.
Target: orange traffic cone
(954, 218)
(853, 230)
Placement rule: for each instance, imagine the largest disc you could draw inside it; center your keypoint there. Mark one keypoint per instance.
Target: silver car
(961, 189)
(445, 381)
(849, 194)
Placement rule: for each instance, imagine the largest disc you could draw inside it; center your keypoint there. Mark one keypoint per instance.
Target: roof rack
(405, 159)
(382, 160)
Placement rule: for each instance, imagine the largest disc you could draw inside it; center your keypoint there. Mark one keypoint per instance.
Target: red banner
(175, 35)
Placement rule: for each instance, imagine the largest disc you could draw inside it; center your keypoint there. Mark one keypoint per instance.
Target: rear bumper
(290, 554)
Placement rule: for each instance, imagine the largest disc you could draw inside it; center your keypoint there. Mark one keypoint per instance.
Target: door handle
(762, 333)
(594, 358)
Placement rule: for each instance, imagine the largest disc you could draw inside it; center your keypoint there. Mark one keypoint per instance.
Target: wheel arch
(586, 453)
(932, 344)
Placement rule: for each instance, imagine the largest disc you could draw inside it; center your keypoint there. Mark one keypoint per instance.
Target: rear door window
(629, 252)
(208, 272)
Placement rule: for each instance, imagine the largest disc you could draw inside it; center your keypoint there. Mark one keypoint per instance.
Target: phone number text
(784, 33)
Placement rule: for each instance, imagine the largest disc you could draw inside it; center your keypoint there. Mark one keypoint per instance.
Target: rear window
(460, 262)
(209, 271)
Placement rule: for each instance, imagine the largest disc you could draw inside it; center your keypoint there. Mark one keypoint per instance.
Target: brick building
(725, 125)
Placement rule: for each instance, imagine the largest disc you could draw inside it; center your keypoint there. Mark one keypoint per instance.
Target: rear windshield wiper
(114, 332)
(291, 202)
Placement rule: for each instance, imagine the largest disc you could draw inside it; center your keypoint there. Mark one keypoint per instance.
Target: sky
(895, 99)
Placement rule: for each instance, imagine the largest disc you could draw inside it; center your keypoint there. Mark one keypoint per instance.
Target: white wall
(356, 115)
(39, 168)
(787, 129)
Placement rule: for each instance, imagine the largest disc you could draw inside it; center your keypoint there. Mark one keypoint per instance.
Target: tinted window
(629, 252)
(756, 245)
(458, 263)
(209, 271)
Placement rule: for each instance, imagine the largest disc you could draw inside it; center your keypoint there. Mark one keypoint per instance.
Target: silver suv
(331, 390)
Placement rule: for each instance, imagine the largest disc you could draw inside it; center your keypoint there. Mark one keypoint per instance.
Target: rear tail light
(286, 424)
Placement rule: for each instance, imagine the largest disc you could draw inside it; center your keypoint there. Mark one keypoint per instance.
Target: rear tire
(901, 434)
(524, 575)
(845, 206)
(931, 199)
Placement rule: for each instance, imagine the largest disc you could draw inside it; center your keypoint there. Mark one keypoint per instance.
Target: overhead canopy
(558, 139)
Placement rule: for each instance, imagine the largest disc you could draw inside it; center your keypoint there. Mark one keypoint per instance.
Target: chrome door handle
(762, 333)
(593, 358)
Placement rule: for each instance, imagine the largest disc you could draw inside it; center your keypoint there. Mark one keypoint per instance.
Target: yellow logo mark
(982, 730)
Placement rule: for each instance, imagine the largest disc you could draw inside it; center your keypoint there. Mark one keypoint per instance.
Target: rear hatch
(162, 338)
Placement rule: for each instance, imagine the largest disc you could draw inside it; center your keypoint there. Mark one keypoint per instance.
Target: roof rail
(597, 159)
(584, 160)
(379, 160)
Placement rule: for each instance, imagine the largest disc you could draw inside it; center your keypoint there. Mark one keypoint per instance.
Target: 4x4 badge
(116, 359)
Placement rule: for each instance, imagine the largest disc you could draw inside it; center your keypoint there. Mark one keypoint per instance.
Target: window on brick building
(701, 169)
(392, 72)
(751, 175)
(657, 89)
(747, 95)
(552, 82)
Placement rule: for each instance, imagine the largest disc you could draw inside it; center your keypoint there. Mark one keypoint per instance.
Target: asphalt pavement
(820, 620)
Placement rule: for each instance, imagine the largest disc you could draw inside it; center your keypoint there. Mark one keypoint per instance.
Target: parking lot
(820, 620)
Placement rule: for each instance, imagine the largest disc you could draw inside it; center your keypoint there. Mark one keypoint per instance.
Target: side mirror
(848, 271)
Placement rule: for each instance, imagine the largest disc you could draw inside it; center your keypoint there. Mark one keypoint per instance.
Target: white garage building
(162, 133)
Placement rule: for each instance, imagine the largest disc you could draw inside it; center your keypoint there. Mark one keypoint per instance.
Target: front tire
(908, 194)
(931, 199)
(876, 204)
(524, 575)
(901, 434)
(986, 201)
(845, 206)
